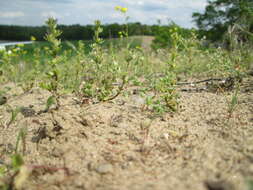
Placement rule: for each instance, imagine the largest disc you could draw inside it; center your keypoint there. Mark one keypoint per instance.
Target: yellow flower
(33, 38)
(117, 8)
(121, 9)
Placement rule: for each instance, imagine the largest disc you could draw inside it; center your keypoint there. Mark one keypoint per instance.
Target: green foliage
(249, 184)
(53, 72)
(98, 83)
(50, 102)
(165, 35)
(16, 161)
(8, 59)
(97, 31)
(233, 103)
(21, 138)
(13, 176)
(14, 114)
(221, 14)
(166, 98)
(72, 32)
(52, 36)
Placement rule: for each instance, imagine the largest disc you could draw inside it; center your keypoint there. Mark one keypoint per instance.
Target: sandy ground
(115, 145)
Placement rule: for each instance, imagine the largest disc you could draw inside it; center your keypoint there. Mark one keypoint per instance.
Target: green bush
(164, 35)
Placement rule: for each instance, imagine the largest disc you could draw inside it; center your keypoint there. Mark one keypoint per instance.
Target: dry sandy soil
(115, 145)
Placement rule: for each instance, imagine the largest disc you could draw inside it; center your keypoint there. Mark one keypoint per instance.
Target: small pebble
(3, 100)
(104, 169)
(138, 100)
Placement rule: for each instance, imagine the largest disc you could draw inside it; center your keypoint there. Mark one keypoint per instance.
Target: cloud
(86, 11)
(197, 4)
(11, 14)
(53, 14)
(152, 7)
(149, 11)
(51, 1)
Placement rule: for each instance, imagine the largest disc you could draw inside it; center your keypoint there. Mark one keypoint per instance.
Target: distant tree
(72, 32)
(219, 15)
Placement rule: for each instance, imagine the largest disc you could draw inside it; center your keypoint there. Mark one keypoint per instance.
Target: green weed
(14, 175)
(21, 138)
(14, 113)
(249, 184)
(53, 72)
(233, 103)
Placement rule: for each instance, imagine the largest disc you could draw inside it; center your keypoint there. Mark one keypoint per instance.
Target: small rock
(2, 162)
(138, 100)
(104, 169)
(218, 185)
(3, 100)
(146, 123)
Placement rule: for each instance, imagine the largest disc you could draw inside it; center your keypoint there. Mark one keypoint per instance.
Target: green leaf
(250, 184)
(46, 86)
(2, 171)
(14, 114)
(50, 102)
(16, 161)
(21, 136)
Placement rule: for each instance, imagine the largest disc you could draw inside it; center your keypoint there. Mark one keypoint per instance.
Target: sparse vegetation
(115, 97)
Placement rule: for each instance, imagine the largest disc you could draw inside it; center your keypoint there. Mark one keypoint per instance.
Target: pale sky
(35, 12)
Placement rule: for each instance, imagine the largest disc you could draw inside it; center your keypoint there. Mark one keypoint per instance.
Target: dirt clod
(27, 111)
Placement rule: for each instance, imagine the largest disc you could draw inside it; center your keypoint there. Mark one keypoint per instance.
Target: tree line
(220, 20)
(74, 32)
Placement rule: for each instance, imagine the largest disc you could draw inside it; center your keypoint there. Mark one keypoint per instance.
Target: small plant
(96, 86)
(21, 138)
(13, 176)
(9, 70)
(123, 10)
(155, 105)
(165, 36)
(53, 73)
(166, 97)
(249, 184)
(97, 51)
(233, 103)
(14, 114)
(99, 80)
